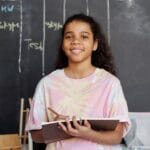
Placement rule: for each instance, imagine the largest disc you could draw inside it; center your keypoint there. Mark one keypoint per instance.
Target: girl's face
(78, 42)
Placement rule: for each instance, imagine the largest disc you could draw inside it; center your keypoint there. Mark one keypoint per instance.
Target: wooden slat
(10, 141)
(21, 117)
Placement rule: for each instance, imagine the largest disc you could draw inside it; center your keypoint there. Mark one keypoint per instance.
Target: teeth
(76, 51)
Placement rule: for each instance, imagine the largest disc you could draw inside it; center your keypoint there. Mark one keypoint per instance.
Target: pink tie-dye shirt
(97, 95)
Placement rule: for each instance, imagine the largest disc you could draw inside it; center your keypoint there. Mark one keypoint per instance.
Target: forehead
(78, 26)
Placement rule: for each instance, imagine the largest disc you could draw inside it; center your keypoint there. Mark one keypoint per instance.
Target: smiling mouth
(76, 50)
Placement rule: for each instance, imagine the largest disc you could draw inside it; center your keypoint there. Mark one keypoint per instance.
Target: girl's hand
(61, 117)
(78, 130)
(58, 116)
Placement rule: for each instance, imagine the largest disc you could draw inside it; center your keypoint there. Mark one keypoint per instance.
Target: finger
(72, 131)
(56, 118)
(87, 124)
(68, 123)
(60, 117)
(63, 126)
(63, 117)
(75, 123)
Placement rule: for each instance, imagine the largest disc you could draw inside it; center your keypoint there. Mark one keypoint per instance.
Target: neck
(79, 71)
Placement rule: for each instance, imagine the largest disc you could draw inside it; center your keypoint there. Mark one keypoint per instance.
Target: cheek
(90, 46)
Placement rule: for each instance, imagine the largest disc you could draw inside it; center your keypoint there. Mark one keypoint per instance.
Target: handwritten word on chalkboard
(34, 45)
(7, 8)
(53, 25)
(10, 26)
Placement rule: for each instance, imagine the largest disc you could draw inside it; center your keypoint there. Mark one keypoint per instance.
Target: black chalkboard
(130, 38)
(29, 33)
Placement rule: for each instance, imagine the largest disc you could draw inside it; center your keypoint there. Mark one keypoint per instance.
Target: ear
(95, 46)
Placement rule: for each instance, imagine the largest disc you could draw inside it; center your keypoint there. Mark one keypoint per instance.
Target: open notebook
(52, 132)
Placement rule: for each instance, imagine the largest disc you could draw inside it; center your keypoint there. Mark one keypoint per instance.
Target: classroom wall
(29, 35)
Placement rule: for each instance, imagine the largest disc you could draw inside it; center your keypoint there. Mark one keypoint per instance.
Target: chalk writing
(64, 11)
(11, 26)
(34, 45)
(53, 25)
(7, 8)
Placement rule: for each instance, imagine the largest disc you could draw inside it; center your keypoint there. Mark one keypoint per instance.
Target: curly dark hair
(101, 58)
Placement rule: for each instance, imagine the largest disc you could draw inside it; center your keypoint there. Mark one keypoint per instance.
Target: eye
(84, 37)
(68, 36)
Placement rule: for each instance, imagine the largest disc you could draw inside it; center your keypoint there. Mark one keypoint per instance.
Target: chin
(76, 61)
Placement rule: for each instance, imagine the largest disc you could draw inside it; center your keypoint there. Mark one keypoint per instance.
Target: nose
(75, 40)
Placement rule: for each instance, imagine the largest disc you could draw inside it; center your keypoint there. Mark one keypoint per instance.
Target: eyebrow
(70, 32)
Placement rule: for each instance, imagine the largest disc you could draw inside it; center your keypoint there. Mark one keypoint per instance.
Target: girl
(84, 85)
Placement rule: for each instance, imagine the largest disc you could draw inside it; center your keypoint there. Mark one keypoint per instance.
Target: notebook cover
(52, 132)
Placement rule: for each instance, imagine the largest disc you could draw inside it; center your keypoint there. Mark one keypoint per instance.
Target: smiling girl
(83, 85)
